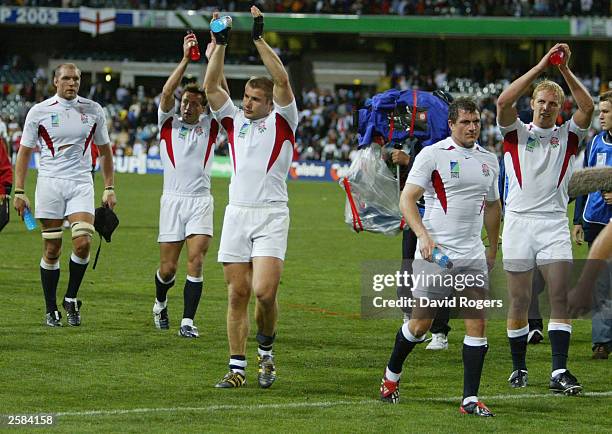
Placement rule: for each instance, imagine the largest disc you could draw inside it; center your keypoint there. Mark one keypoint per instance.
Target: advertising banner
(222, 167)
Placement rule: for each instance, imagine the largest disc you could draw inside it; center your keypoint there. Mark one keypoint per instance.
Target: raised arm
(582, 117)
(214, 77)
(167, 96)
(506, 110)
(282, 93)
(210, 48)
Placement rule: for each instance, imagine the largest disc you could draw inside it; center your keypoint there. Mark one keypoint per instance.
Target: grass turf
(117, 373)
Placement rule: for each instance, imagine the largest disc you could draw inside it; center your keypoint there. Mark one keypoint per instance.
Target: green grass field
(117, 373)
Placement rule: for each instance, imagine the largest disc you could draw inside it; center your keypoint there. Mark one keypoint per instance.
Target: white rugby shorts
(529, 241)
(181, 216)
(250, 231)
(56, 198)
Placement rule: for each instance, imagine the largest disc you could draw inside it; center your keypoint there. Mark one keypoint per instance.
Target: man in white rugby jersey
(186, 207)
(458, 179)
(539, 160)
(64, 126)
(254, 237)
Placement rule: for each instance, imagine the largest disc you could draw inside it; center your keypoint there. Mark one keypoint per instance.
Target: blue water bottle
(441, 259)
(29, 220)
(220, 24)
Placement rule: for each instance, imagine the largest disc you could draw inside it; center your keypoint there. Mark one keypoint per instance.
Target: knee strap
(52, 234)
(80, 229)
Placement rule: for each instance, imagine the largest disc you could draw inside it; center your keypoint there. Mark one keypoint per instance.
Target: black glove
(222, 36)
(258, 24)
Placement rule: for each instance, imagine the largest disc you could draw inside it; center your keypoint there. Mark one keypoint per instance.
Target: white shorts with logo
(182, 215)
(56, 198)
(250, 231)
(529, 241)
(434, 282)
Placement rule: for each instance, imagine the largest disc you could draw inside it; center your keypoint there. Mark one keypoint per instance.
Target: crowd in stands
(325, 130)
(517, 8)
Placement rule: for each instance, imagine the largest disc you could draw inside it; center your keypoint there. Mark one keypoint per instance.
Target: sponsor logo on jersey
(485, 169)
(554, 142)
(183, 132)
(454, 169)
(244, 129)
(55, 120)
(531, 143)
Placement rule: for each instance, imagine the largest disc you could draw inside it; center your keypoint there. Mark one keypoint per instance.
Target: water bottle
(441, 259)
(557, 57)
(220, 24)
(29, 220)
(194, 50)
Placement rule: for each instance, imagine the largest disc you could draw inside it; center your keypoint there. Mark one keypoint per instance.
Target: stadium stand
(507, 8)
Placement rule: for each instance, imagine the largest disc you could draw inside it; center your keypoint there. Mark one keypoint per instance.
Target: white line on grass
(316, 404)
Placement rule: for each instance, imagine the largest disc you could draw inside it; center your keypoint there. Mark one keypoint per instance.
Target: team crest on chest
(55, 120)
(84, 118)
(183, 132)
(261, 127)
(454, 169)
(485, 169)
(554, 142)
(199, 131)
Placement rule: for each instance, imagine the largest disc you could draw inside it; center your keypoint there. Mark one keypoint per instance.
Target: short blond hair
(551, 86)
(606, 96)
(56, 73)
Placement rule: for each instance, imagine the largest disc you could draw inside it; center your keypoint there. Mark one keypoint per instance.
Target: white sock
(557, 372)
(238, 366)
(469, 399)
(389, 375)
(187, 322)
(264, 352)
(70, 300)
(159, 305)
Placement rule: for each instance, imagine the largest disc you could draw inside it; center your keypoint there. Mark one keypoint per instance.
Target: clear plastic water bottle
(220, 24)
(29, 220)
(441, 259)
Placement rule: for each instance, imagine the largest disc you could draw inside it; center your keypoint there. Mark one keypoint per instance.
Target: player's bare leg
(50, 268)
(238, 277)
(519, 291)
(266, 278)
(557, 276)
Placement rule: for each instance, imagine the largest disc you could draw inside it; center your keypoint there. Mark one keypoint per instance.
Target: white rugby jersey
(539, 164)
(186, 152)
(457, 182)
(261, 152)
(65, 130)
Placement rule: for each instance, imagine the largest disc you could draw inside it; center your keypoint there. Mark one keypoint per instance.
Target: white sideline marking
(318, 404)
